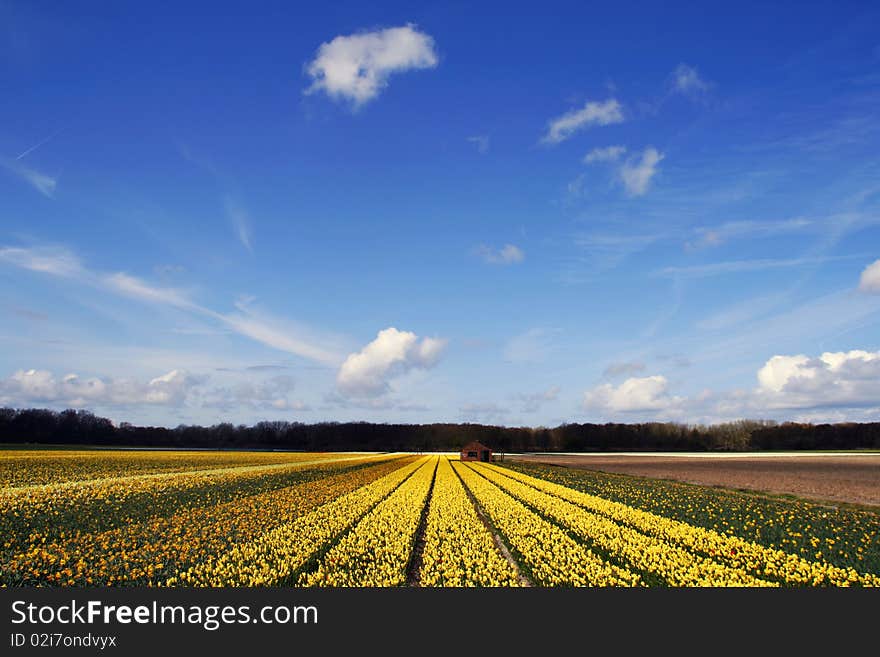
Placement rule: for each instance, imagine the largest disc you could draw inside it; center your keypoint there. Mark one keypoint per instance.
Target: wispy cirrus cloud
(135, 288)
(272, 332)
(356, 67)
(593, 113)
(283, 335)
(42, 182)
(709, 236)
(241, 222)
(739, 266)
(48, 260)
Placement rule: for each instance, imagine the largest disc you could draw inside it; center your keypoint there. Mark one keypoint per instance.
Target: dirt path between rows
(834, 478)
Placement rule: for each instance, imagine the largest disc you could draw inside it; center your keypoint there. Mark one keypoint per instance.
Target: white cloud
(47, 260)
(366, 373)
(42, 182)
(648, 393)
(508, 254)
(636, 174)
(607, 154)
(284, 336)
(135, 288)
(274, 393)
(31, 387)
(686, 80)
(482, 142)
(737, 266)
(533, 346)
(835, 386)
(779, 369)
(278, 334)
(241, 222)
(592, 113)
(850, 378)
(870, 278)
(717, 235)
(532, 402)
(357, 67)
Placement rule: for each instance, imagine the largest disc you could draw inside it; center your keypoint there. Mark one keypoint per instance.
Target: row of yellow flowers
(277, 556)
(35, 467)
(149, 552)
(43, 513)
(845, 537)
(668, 562)
(459, 550)
(552, 557)
(377, 550)
(729, 550)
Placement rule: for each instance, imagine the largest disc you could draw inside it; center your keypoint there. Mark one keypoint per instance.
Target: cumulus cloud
(636, 173)
(870, 278)
(367, 373)
(274, 393)
(686, 80)
(843, 378)
(648, 393)
(508, 254)
(356, 67)
(593, 113)
(607, 154)
(30, 387)
(831, 387)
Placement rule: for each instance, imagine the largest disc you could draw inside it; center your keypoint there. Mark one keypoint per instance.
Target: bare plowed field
(838, 478)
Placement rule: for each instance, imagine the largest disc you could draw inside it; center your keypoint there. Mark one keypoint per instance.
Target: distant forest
(78, 427)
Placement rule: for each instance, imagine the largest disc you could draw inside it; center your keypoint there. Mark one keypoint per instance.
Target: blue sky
(514, 215)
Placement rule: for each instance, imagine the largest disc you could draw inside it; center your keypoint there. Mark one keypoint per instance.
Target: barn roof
(475, 447)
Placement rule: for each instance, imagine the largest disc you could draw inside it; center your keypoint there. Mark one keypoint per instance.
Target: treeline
(78, 427)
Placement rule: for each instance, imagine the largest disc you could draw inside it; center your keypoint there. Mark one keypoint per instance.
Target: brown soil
(849, 479)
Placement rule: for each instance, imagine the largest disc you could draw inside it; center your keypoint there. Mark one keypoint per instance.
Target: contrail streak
(35, 147)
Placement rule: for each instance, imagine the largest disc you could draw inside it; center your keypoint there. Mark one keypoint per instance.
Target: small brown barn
(476, 452)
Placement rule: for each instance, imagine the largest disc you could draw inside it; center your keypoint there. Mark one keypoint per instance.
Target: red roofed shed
(476, 452)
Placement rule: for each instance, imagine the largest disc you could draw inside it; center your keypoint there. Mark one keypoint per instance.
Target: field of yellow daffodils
(136, 518)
